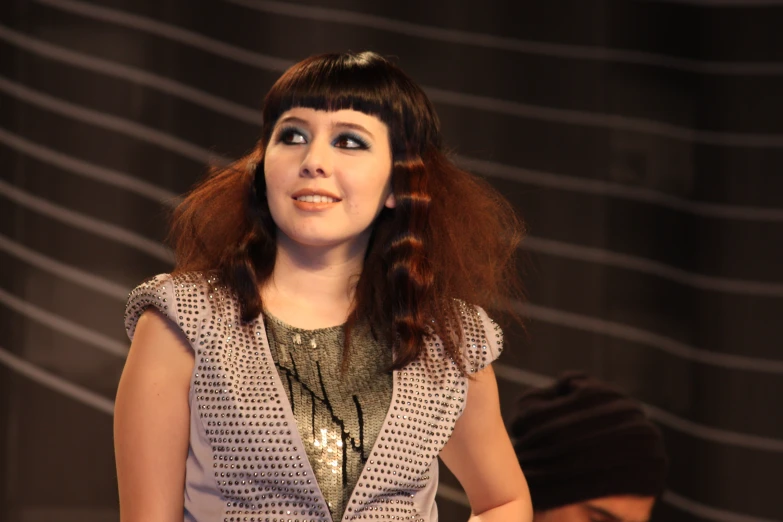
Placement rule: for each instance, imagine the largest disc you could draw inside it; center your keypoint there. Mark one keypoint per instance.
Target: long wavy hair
(450, 237)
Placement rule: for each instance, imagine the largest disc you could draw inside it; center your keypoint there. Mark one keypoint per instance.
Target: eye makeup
(346, 137)
(287, 135)
(290, 135)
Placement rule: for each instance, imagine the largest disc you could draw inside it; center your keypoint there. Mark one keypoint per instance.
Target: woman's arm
(152, 422)
(481, 456)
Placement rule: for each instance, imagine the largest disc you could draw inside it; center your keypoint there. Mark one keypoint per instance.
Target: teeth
(316, 199)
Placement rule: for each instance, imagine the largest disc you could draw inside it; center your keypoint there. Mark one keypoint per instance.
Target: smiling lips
(313, 200)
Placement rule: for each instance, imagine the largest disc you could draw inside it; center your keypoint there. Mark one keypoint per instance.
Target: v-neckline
(297, 435)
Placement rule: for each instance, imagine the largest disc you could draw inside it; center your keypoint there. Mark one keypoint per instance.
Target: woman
(322, 340)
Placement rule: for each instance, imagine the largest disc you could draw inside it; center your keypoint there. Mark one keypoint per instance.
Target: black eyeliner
(363, 145)
(287, 131)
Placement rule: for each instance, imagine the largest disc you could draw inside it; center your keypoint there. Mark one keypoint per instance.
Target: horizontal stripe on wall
(144, 160)
(537, 246)
(536, 148)
(742, 97)
(221, 134)
(56, 383)
(82, 222)
(546, 23)
(81, 441)
(534, 79)
(648, 232)
(512, 381)
(655, 305)
(728, 399)
(107, 121)
(729, 190)
(45, 299)
(58, 54)
(45, 318)
(51, 159)
(63, 355)
(101, 201)
(668, 167)
(694, 474)
(105, 255)
(63, 272)
(215, 45)
(588, 51)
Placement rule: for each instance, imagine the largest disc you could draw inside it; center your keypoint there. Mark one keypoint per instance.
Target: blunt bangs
(364, 82)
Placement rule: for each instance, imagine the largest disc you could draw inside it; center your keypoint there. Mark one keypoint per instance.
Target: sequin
(247, 454)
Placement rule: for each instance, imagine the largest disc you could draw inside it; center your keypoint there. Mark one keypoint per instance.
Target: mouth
(316, 198)
(311, 200)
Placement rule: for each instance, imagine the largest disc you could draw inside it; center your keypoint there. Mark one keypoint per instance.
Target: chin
(318, 239)
(324, 235)
(319, 242)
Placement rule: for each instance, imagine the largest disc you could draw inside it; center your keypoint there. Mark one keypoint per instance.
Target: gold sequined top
(339, 415)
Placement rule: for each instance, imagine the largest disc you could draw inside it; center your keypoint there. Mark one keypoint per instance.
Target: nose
(317, 160)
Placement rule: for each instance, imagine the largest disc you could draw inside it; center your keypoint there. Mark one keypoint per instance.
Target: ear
(391, 201)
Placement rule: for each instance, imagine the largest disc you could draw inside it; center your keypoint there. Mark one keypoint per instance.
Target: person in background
(589, 452)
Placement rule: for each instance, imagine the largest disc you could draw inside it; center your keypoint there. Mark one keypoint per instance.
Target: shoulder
(180, 297)
(478, 339)
(481, 337)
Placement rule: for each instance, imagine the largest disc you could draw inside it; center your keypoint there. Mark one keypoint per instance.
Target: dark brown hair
(450, 237)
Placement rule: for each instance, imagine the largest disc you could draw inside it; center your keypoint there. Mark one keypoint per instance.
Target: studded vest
(246, 459)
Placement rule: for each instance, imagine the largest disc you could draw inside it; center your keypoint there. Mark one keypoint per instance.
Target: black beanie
(581, 439)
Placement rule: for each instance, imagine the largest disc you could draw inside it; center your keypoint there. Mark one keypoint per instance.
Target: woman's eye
(291, 137)
(347, 141)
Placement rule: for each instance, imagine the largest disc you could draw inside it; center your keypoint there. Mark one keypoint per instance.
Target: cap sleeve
(483, 339)
(158, 292)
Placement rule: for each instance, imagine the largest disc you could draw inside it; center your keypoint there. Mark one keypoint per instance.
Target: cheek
(274, 176)
(376, 181)
(366, 196)
(357, 210)
(270, 168)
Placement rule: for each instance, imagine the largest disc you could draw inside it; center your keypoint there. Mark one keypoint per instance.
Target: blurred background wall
(641, 140)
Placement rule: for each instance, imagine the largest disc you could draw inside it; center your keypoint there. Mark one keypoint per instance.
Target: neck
(313, 287)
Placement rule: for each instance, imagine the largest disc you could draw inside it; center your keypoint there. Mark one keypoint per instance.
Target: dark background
(642, 141)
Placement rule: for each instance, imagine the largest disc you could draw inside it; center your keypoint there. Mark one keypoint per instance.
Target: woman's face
(328, 176)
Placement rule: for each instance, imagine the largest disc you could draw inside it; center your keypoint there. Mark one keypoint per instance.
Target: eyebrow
(603, 512)
(343, 124)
